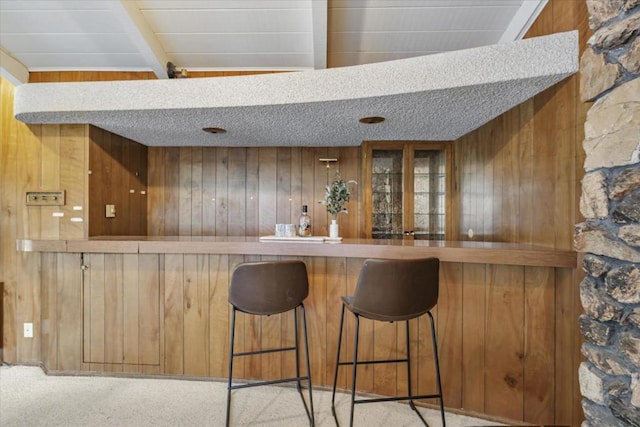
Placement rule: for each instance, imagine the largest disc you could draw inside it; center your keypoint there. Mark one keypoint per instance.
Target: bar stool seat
(390, 291)
(263, 289)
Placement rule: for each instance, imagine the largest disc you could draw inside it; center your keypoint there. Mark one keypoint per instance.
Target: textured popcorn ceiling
(435, 97)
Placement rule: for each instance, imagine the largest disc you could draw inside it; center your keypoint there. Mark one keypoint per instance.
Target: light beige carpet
(30, 398)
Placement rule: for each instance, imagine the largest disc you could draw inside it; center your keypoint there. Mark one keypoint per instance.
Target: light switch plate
(28, 330)
(110, 211)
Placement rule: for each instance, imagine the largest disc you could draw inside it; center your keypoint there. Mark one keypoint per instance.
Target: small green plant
(336, 195)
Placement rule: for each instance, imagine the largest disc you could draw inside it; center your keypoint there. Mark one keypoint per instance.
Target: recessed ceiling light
(214, 130)
(372, 120)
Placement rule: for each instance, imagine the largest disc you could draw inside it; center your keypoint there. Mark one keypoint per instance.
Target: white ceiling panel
(58, 22)
(228, 21)
(224, 4)
(248, 34)
(407, 42)
(69, 43)
(84, 61)
(237, 43)
(51, 5)
(203, 61)
(422, 3)
(420, 18)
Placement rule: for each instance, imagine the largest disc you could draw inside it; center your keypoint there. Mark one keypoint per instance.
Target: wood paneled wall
(118, 176)
(519, 180)
(52, 157)
(519, 175)
(198, 191)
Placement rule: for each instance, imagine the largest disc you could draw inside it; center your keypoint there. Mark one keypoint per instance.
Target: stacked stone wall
(610, 204)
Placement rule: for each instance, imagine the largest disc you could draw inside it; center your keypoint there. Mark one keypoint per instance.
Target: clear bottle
(304, 223)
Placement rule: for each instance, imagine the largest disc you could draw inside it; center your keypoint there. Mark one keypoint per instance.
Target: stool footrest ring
(397, 398)
(370, 362)
(273, 350)
(270, 382)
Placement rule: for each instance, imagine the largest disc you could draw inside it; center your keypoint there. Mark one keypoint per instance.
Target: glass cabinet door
(387, 194)
(406, 190)
(429, 194)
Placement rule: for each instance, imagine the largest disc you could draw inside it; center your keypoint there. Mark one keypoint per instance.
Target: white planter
(334, 230)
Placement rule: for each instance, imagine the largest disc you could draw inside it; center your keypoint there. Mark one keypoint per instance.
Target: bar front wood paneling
(167, 313)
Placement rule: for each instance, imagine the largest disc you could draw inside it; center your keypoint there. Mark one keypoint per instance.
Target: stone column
(610, 203)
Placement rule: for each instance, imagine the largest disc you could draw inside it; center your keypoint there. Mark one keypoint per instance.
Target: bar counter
(446, 251)
(159, 306)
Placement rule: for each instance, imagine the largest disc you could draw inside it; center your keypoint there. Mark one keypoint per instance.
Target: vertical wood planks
(567, 355)
(113, 309)
(504, 342)
(196, 315)
(197, 191)
(219, 271)
(283, 185)
(208, 191)
(49, 303)
(185, 209)
(252, 218)
(473, 336)
(336, 289)
(94, 295)
(323, 176)
(316, 315)
(173, 314)
(131, 318)
(268, 190)
(449, 330)
(171, 191)
(237, 187)
(221, 204)
(539, 363)
(156, 192)
(525, 185)
(150, 306)
(73, 178)
(50, 179)
(69, 312)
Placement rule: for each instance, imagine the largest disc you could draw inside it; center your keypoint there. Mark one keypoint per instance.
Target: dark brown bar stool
(390, 291)
(263, 289)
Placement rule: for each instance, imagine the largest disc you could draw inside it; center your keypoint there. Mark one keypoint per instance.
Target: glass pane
(429, 188)
(386, 183)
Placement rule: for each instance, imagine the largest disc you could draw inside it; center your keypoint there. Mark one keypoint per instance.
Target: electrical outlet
(28, 330)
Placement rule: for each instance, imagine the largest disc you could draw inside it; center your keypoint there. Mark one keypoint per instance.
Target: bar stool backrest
(269, 287)
(394, 290)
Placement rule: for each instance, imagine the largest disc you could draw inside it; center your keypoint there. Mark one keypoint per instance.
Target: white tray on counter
(297, 239)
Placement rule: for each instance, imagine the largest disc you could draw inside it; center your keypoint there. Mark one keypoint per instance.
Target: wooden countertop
(446, 251)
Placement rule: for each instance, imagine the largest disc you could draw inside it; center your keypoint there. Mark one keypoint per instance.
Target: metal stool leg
(231, 340)
(310, 412)
(355, 368)
(335, 376)
(437, 363)
(297, 348)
